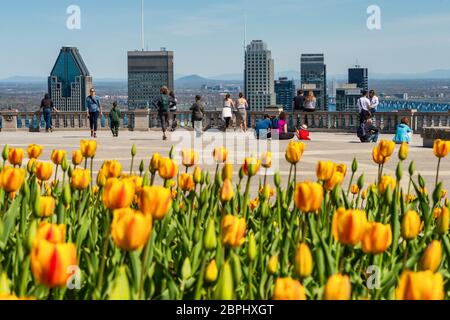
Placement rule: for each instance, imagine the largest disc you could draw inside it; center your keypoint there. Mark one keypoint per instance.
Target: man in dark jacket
(114, 117)
(162, 105)
(197, 115)
(370, 132)
(47, 108)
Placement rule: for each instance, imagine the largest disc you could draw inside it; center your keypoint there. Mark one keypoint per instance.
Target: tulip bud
(389, 195)
(227, 171)
(64, 164)
(241, 173)
(5, 284)
(277, 179)
(36, 202)
(421, 181)
(252, 251)
(403, 152)
(32, 233)
(210, 239)
(66, 195)
(121, 286)
(226, 192)
(211, 272)
(208, 178)
(146, 179)
(69, 172)
(225, 286)
(5, 152)
(336, 195)
(273, 264)
(141, 166)
(411, 168)
(443, 221)
(361, 182)
(399, 171)
(354, 165)
(237, 269)
(171, 152)
(198, 175)
(186, 269)
(303, 261)
(204, 197)
(437, 193)
(133, 150)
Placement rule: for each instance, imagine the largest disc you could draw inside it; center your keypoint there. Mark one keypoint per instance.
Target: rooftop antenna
(357, 63)
(142, 25)
(245, 31)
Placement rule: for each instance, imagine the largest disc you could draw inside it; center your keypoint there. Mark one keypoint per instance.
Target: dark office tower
(148, 71)
(69, 82)
(314, 77)
(359, 76)
(285, 91)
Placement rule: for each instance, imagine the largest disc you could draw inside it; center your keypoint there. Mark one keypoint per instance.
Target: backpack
(361, 132)
(164, 103)
(275, 123)
(115, 115)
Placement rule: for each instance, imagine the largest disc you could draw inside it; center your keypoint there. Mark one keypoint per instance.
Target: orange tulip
(220, 154)
(303, 261)
(338, 287)
(54, 233)
(251, 166)
(432, 256)
(155, 201)
(77, 157)
(422, 285)
(387, 181)
(88, 148)
(383, 151)
(167, 168)
(34, 151)
(349, 226)
(355, 189)
(111, 169)
(186, 182)
(15, 156)
(189, 158)
(51, 263)
(411, 225)
(44, 170)
(154, 163)
(325, 170)
(342, 168)
(118, 193)
(130, 229)
(58, 156)
(294, 152)
(233, 231)
(226, 192)
(81, 179)
(11, 179)
(443, 221)
(47, 205)
(288, 289)
(377, 238)
(227, 171)
(308, 196)
(336, 179)
(441, 148)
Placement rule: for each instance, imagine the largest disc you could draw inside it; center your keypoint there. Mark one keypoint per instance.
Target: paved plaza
(338, 147)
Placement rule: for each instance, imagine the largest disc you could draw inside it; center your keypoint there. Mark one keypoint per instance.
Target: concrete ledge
(429, 134)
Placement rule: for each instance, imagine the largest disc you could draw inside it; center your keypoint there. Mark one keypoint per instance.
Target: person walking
(227, 110)
(162, 105)
(93, 110)
(47, 108)
(114, 118)
(242, 106)
(374, 102)
(197, 115)
(173, 109)
(363, 107)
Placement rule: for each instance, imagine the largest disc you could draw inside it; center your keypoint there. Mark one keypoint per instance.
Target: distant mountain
(195, 81)
(228, 77)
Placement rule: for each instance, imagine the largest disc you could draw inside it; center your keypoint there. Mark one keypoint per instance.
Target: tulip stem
(265, 177)
(152, 179)
(350, 184)
(85, 163)
(250, 281)
(198, 288)
(247, 191)
(289, 179)
(295, 173)
(92, 165)
(144, 266)
(131, 166)
(437, 172)
(103, 255)
(56, 173)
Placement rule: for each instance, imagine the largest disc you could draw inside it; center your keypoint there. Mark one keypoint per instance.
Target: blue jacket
(91, 106)
(402, 134)
(263, 125)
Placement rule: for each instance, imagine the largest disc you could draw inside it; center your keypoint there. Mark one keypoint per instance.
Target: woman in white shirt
(242, 106)
(374, 101)
(227, 111)
(309, 104)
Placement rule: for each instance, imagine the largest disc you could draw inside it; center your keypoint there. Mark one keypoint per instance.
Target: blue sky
(207, 35)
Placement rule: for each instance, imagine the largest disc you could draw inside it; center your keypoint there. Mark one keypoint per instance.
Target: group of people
(239, 109)
(277, 127)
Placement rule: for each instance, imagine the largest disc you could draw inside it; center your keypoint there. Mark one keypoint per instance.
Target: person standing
(173, 109)
(363, 107)
(47, 108)
(162, 105)
(197, 115)
(114, 117)
(93, 110)
(309, 104)
(374, 101)
(298, 103)
(227, 110)
(242, 106)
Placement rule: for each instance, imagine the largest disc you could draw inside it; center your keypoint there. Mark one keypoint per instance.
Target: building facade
(148, 71)
(69, 82)
(314, 74)
(259, 87)
(347, 97)
(359, 76)
(285, 93)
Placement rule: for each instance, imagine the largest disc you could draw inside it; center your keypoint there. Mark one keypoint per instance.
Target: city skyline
(209, 45)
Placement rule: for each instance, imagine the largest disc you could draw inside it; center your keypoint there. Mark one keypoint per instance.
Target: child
(403, 132)
(114, 117)
(303, 133)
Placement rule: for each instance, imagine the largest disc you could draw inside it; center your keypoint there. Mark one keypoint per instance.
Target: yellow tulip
(220, 154)
(47, 205)
(441, 148)
(288, 289)
(411, 225)
(227, 171)
(31, 166)
(403, 152)
(336, 179)
(58, 156)
(197, 175)
(387, 181)
(443, 221)
(422, 285)
(325, 170)
(266, 159)
(50, 263)
(155, 201)
(342, 168)
(111, 169)
(118, 193)
(77, 158)
(186, 182)
(130, 229)
(88, 148)
(11, 179)
(303, 261)
(15, 156)
(44, 170)
(226, 192)
(189, 158)
(349, 226)
(355, 189)
(377, 238)
(233, 231)
(308, 196)
(81, 179)
(432, 256)
(338, 287)
(54, 233)
(251, 166)
(154, 163)
(383, 151)
(167, 168)
(273, 264)
(211, 272)
(294, 152)
(364, 194)
(34, 151)
(101, 179)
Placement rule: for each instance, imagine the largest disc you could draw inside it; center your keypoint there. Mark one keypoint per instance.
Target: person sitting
(263, 128)
(283, 132)
(367, 132)
(303, 133)
(403, 132)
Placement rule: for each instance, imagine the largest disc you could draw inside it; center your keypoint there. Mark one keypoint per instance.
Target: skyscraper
(359, 76)
(259, 76)
(148, 71)
(69, 81)
(285, 91)
(314, 77)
